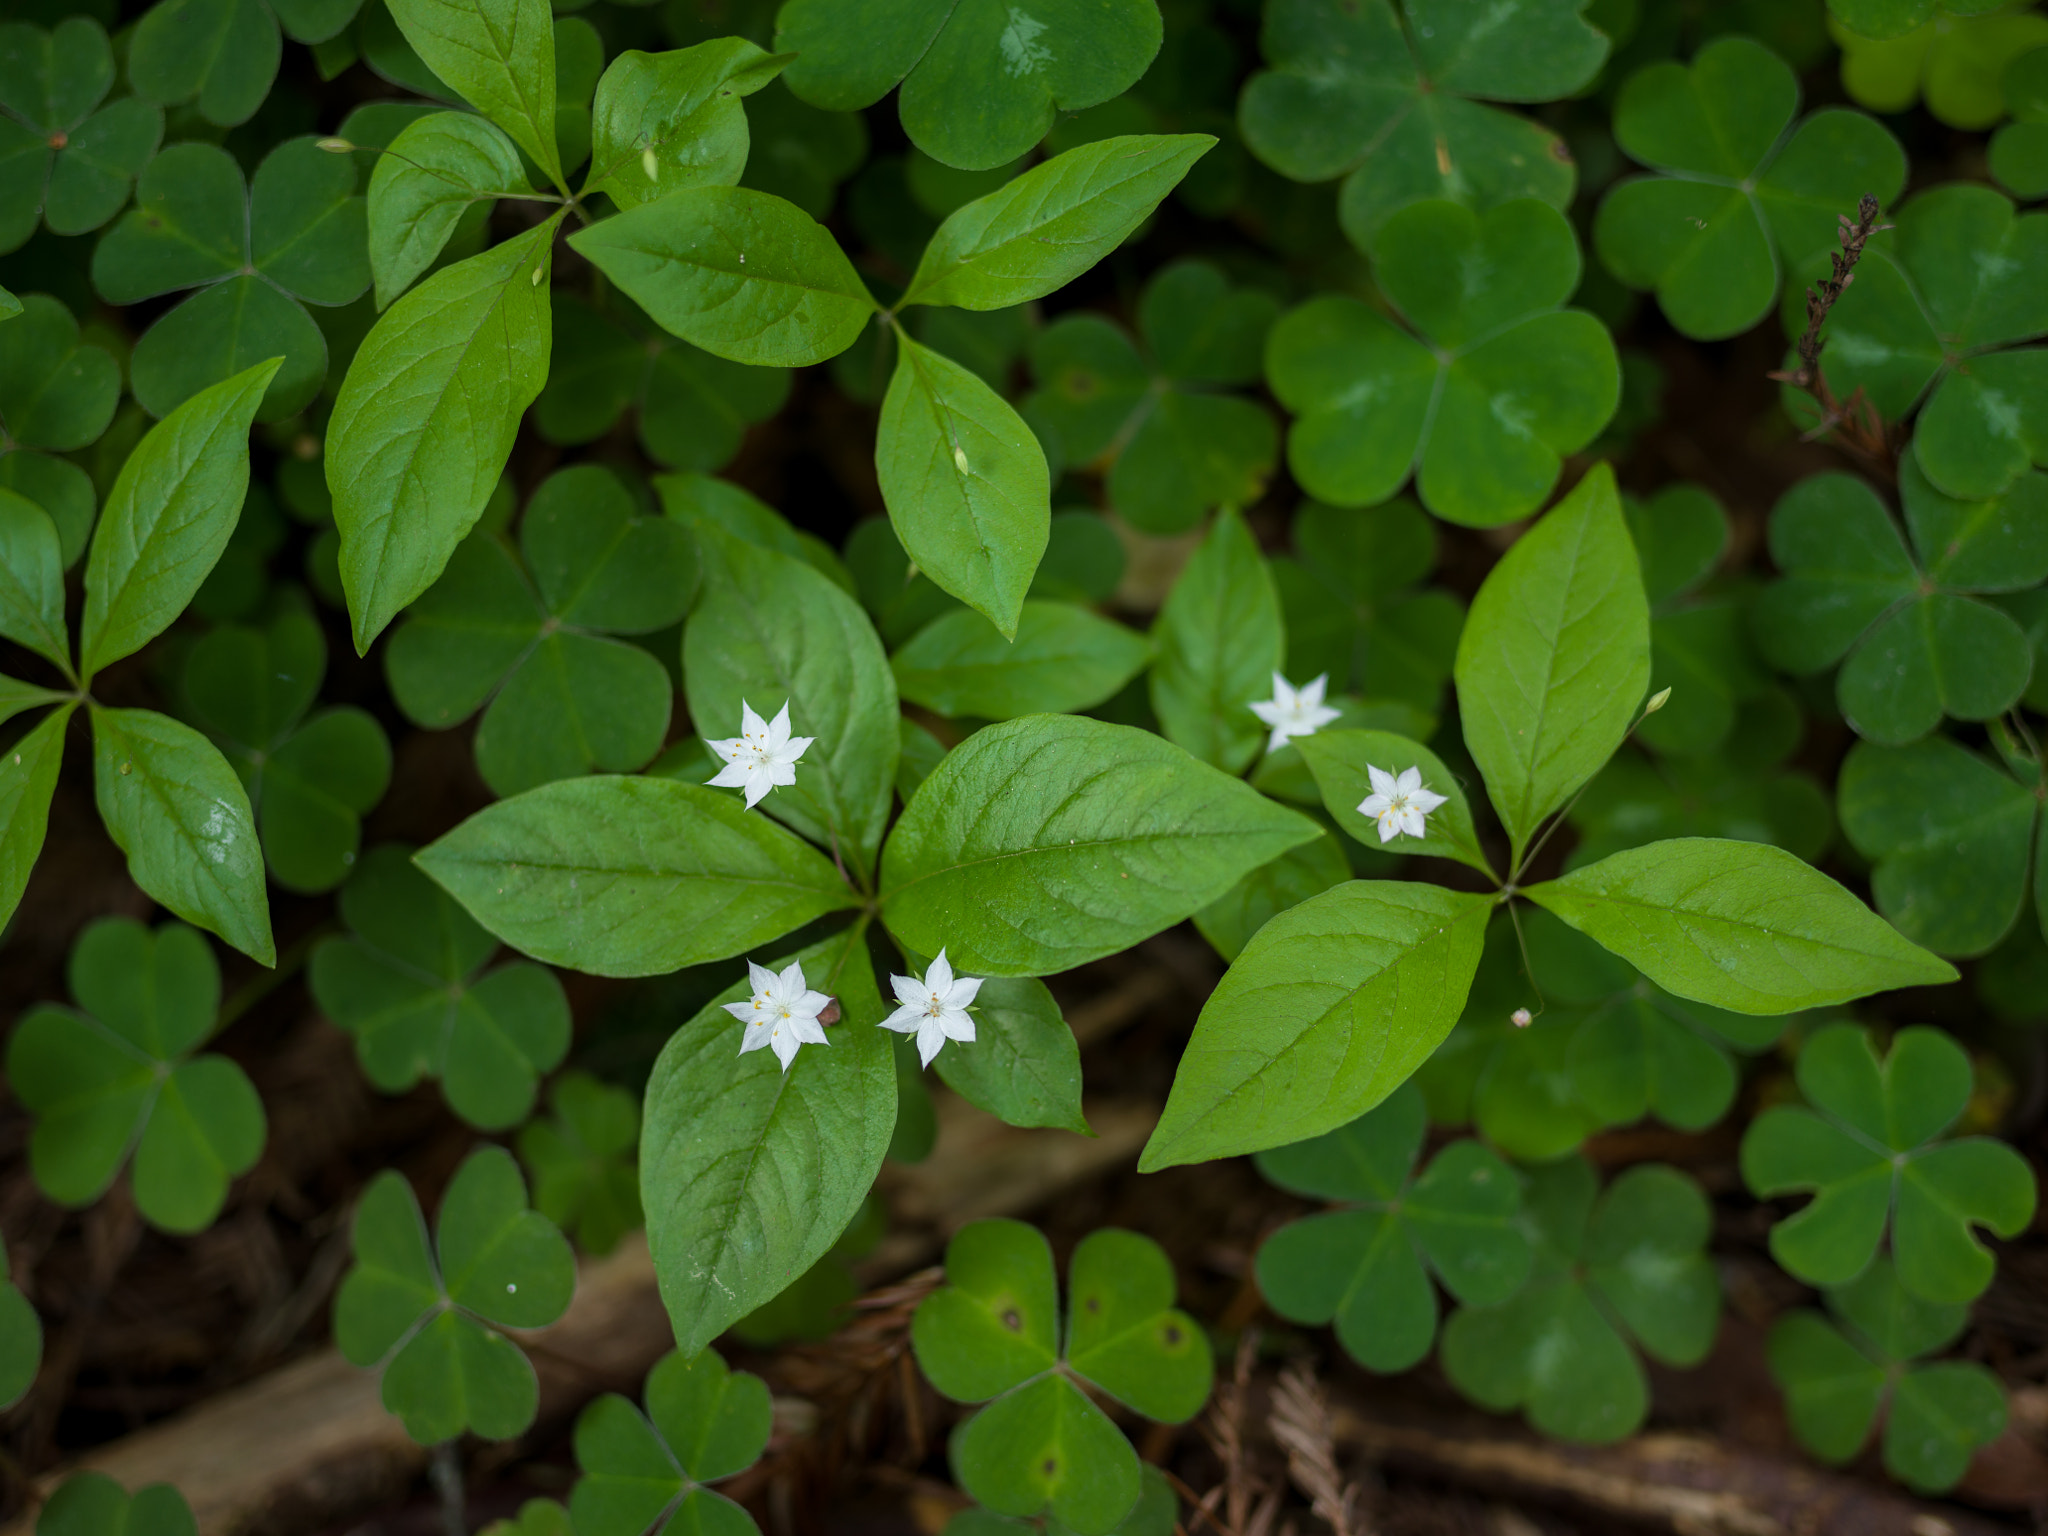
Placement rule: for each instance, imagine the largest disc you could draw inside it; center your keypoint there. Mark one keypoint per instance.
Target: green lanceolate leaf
(1741, 926)
(749, 1173)
(500, 54)
(28, 780)
(436, 170)
(1342, 762)
(175, 808)
(1219, 640)
(981, 84)
(426, 417)
(1045, 228)
(666, 122)
(965, 482)
(1023, 1065)
(1042, 843)
(1868, 1151)
(168, 518)
(1061, 659)
(771, 631)
(32, 581)
(632, 877)
(1330, 1007)
(1554, 657)
(745, 276)
(1229, 921)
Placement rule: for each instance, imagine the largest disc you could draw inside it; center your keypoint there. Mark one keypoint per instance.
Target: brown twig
(1301, 1424)
(1855, 422)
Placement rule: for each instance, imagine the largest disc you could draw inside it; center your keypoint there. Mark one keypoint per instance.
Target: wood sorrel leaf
(632, 877)
(426, 417)
(1046, 842)
(1554, 657)
(1742, 926)
(749, 1173)
(1330, 1008)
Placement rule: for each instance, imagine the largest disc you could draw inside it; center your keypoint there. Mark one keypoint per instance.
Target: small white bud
(1522, 1018)
(1657, 701)
(536, 283)
(960, 459)
(334, 146)
(650, 164)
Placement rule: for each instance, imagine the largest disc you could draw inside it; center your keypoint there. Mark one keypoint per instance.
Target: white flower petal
(1390, 824)
(963, 992)
(1374, 805)
(1384, 783)
(1426, 800)
(929, 1039)
(792, 749)
(778, 728)
(808, 1031)
(1311, 695)
(1283, 692)
(1411, 780)
(786, 1046)
(938, 976)
(1268, 711)
(759, 977)
(792, 979)
(958, 1025)
(910, 992)
(752, 726)
(811, 1004)
(1411, 822)
(744, 1012)
(731, 776)
(906, 1018)
(757, 1035)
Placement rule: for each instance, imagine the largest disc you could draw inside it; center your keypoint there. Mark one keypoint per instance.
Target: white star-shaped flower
(783, 1012)
(1399, 804)
(935, 1008)
(762, 756)
(1294, 711)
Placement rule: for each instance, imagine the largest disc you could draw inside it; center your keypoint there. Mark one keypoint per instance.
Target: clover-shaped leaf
(992, 1335)
(1949, 836)
(1368, 1263)
(1868, 1151)
(1624, 1272)
(1155, 1514)
(2019, 150)
(257, 252)
(119, 1075)
(981, 82)
(1483, 392)
(1735, 197)
(1838, 1374)
(1932, 322)
(310, 779)
(61, 489)
(409, 983)
(694, 408)
(1741, 792)
(222, 55)
(585, 1179)
(54, 392)
(1171, 444)
(1918, 646)
(93, 1504)
(21, 1340)
(800, 153)
(1895, 18)
(1351, 608)
(425, 1318)
(1393, 101)
(536, 1517)
(646, 1470)
(531, 638)
(65, 158)
(1954, 61)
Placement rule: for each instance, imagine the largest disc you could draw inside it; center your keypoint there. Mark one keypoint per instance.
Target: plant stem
(1858, 427)
(444, 1468)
